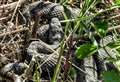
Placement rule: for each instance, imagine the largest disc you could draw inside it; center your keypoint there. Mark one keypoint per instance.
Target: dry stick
(11, 6)
(114, 27)
(17, 4)
(5, 18)
(13, 32)
(113, 17)
(35, 27)
(15, 10)
(16, 42)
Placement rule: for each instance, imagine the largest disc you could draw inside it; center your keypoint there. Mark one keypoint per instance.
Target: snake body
(44, 10)
(49, 10)
(51, 33)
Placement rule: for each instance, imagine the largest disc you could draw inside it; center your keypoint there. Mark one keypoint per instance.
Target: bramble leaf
(85, 50)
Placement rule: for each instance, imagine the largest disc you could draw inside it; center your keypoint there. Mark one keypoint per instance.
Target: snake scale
(51, 33)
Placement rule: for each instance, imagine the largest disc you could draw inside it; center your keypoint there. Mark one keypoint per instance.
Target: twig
(13, 32)
(113, 17)
(11, 6)
(35, 27)
(5, 18)
(15, 10)
(16, 42)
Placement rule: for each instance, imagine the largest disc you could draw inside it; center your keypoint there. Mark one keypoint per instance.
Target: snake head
(29, 11)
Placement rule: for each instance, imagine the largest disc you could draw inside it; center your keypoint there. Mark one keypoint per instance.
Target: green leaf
(111, 76)
(85, 50)
(101, 28)
(117, 2)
